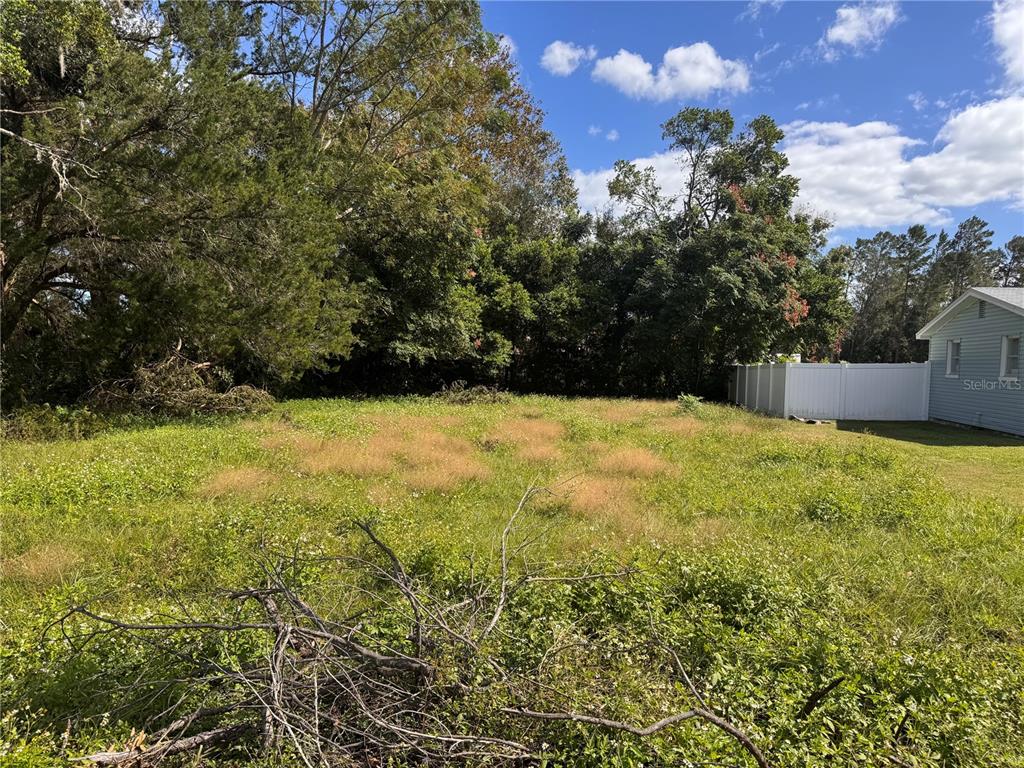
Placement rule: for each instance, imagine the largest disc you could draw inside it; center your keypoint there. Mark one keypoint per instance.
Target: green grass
(802, 552)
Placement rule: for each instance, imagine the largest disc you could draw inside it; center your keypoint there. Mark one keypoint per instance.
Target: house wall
(976, 397)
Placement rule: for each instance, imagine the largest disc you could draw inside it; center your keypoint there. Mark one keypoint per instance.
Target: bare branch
(653, 728)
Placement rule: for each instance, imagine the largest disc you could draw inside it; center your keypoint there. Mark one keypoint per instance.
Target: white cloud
(860, 175)
(592, 186)
(612, 135)
(854, 173)
(858, 28)
(754, 8)
(594, 130)
(507, 44)
(917, 101)
(819, 103)
(689, 70)
(871, 175)
(767, 51)
(1008, 34)
(982, 157)
(562, 59)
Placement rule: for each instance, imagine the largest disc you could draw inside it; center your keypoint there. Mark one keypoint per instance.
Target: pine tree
(1011, 267)
(969, 260)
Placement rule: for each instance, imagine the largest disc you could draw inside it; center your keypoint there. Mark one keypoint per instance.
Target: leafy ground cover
(774, 559)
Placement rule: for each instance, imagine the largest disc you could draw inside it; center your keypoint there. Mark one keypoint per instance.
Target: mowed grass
(910, 535)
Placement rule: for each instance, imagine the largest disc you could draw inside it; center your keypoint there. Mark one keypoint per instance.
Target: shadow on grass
(932, 433)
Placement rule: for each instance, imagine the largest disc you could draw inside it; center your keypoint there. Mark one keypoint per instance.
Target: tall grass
(775, 557)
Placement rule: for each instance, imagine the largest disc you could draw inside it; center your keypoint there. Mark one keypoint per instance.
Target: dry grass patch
(241, 481)
(349, 458)
(629, 411)
(589, 494)
(633, 462)
(741, 429)
(431, 447)
(527, 430)
(612, 502)
(377, 455)
(425, 458)
(539, 452)
(680, 426)
(437, 462)
(42, 565)
(533, 439)
(411, 423)
(283, 437)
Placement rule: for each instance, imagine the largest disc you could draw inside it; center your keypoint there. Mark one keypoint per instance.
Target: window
(953, 357)
(1010, 366)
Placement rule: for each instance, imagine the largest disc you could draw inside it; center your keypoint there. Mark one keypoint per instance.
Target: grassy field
(786, 555)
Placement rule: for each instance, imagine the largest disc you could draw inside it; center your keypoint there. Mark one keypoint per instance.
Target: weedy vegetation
(363, 583)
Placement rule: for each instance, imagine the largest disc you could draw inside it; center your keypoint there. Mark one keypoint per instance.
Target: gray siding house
(975, 353)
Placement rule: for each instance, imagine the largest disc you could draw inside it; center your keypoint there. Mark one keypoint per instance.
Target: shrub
(47, 422)
(692, 405)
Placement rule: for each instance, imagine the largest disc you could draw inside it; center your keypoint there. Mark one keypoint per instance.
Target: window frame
(949, 358)
(1004, 358)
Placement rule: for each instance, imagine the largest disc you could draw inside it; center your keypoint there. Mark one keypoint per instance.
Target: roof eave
(971, 293)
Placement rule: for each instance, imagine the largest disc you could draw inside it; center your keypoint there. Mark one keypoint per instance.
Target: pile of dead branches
(345, 690)
(459, 393)
(178, 387)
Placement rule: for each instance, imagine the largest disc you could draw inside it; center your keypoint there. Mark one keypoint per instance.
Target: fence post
(771, 375)
(757, 387)
(842, 390)
(785, 391)
(925, 400)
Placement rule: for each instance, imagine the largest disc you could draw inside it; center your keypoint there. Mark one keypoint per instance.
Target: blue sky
(895, 113)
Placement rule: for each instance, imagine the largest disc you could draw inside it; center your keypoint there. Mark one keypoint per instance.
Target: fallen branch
(817, 697)
(175, 747)
(406, 675)
(651, 729)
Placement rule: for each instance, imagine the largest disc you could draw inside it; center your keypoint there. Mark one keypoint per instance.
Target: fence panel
(887, 392)
(816, 391)
(866, 391)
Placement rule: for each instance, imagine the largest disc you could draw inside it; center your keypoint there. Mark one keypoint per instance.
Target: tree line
(899, 281)
(321, 198)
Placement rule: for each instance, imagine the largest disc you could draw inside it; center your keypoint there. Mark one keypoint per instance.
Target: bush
(692, 405)
(47, 422)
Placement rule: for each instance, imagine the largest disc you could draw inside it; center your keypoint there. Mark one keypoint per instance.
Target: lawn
(782, 556)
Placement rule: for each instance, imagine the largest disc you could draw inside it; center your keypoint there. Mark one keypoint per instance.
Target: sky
(894, 113)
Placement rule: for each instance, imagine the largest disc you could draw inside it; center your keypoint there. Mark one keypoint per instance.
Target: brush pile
(395, 673)
(178, 387)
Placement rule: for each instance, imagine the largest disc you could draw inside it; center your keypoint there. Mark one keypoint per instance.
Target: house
(975, 355)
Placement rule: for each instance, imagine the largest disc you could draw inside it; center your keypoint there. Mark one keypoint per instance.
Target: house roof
(1011, 299)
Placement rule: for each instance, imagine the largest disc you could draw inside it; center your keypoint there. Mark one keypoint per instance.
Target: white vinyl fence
(867, 391)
